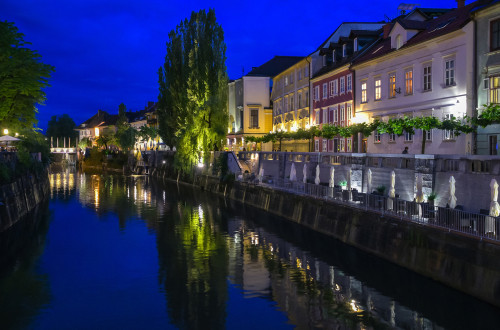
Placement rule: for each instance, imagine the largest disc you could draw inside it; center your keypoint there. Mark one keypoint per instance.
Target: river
(116, 252)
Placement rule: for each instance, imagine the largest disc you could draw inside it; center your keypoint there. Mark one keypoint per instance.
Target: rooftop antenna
(404, 7)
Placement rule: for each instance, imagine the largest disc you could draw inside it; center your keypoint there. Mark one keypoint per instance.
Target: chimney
(460, 3)
(387, 28)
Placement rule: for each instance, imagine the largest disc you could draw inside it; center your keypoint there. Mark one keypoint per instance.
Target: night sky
(109, 52)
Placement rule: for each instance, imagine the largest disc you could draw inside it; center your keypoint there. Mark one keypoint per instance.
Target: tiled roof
(274, 66)
(446, 23)
(101, 118)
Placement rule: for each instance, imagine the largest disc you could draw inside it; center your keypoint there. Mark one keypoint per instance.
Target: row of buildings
(439, 62)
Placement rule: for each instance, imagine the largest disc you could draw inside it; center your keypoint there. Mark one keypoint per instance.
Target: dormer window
(333, 56)
(398, 41)
(344, 50)
(355, 44)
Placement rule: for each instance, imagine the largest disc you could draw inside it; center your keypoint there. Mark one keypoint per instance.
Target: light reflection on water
(216, 264)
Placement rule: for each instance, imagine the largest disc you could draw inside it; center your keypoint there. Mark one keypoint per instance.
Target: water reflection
(213, 255)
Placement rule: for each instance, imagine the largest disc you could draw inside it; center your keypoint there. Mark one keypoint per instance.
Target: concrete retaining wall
(22, 196)
(464, 263)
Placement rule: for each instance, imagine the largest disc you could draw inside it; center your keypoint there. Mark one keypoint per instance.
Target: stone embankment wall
(22, 196)
(464, 263)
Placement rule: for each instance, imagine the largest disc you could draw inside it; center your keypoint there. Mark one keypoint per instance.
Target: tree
(193, 88)
(61, 127)
(22, 78)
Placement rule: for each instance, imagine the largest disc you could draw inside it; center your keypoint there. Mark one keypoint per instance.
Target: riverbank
(464, 263)
(21, 197)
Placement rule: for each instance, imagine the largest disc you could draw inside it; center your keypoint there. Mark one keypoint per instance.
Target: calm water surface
(115, 252)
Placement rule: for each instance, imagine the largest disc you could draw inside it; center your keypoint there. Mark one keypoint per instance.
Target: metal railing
(474, 224)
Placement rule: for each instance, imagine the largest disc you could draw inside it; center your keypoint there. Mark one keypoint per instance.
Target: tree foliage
(193, 88)
(61, 127)
(22, 79)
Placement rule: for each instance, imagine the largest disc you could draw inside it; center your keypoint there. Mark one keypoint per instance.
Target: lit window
(349, 145)
(392, 85)
(341, 145)
(96, 131)
(427, 78)
(494, 85)
(448, 134)
(449, 73)
(363, 92)
(409, 82)
(378, 89)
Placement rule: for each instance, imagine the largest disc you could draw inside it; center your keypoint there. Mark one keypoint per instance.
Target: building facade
(421, 66)
(488, 73)
(290, 99)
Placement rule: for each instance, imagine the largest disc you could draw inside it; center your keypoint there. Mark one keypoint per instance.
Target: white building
(421, 66)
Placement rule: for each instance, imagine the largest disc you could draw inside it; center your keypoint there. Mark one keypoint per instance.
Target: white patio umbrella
(261, 174)
(332, 176)
(419, 198)
(8, 138)
(316, 181)
(369, 181)
(392, 191)
(452, 202)
(293, 173)
(494, 207)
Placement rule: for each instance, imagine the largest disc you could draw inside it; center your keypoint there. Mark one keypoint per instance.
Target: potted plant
(431, 198)
(381, 190)
(343, 184)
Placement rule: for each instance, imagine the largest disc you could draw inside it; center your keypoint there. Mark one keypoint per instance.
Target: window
(316, 117)
(427, 78)
(342, 115)
(286, 80)
(378, 89)
(292, 105)
(325, 91)
(316, 145)
(448, 134)
(335, 87)
(241, 119)
(300, 74)
(325, 116)
(324, 145)
(349, 82)
(349, 145)
(316, 93)
(392, 137)
(341, 145)
(286, 104)
(363, 92)
(428, 135)
(349, 113)
(254, 118)
(376, 137)
(299, 101)
(355, 44)
(392, 85)
(409, 82)
(449, 72)
(495, 35)
(291, 78)
(331, 87)
(342, 85)
(344, 50)
(408, 136)
(307, 98)
(494, 89)
(335, 115)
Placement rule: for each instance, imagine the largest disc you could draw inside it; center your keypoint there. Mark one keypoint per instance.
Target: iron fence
(479, 225)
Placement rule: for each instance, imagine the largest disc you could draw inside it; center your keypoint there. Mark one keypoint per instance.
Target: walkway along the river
(465, 262)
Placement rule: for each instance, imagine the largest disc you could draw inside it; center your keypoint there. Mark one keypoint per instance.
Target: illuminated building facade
(488, 73)
(249, 104)
(333, 88)
(421, 66)
(290, 97)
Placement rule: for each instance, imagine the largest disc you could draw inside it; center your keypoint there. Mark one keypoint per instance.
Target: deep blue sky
(109, 52)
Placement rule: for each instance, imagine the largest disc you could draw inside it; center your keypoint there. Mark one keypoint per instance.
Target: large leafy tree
(61, 127)
(22, 79)
(193, 88)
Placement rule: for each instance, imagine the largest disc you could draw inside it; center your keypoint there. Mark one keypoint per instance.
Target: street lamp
(5, 131)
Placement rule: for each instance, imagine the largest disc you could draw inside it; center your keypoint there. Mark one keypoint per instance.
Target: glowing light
(5, 131)
(200, 164)
(17, 134)
(97, 131)
(359, 118)
(307, 126)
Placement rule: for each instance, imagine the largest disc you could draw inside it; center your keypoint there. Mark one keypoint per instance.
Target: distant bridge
(63, 150)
